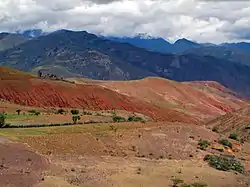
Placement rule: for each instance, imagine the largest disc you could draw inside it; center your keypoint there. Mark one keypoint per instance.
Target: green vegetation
(75, 119)
(198, 184)
(203, 144)
(135, 118)
(118, 119)
(87, 113)
(234, 137)
(224, 163)
(74, 112)
(60, 111)
(2, 120)
(177, 182)
(180, 183)
(226, 142)
(34, 112)
(18, 111)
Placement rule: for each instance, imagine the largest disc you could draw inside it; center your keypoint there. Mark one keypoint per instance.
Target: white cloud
(203, 21)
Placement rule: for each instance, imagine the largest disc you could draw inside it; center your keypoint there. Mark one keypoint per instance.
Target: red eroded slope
(183, 96)
(48, 93)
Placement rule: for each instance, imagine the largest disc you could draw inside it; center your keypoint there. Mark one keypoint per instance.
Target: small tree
(203, 144)
(18, 111)
(75, 119)
(2, 120)
(234, 137)
(225, 142)
(177, 182)
(74, 112)
(60, 111)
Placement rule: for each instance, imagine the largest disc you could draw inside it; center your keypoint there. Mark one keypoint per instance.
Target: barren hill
(25, 90)
(198, 99)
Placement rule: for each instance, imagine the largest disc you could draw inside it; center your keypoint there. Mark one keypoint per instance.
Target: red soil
(47, 93)
(168, 93)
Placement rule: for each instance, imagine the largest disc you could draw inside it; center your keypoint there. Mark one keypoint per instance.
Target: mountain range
(81, 54)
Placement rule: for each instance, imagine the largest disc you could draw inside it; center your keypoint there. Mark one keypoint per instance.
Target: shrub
(224, 163)
(233, 136)
(34, 112)
(215, 129)
(18, 111)
(176, 182)
(60, 111)
(118, 119)
(198, 184)
(2, 120)
(135, 118)
(203, 144)
(74, 112)
(225, 142)
(75, 119)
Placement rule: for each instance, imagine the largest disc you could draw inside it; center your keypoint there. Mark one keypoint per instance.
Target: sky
(210, 21)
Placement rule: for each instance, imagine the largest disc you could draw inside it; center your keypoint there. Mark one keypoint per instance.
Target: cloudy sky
(199, 20)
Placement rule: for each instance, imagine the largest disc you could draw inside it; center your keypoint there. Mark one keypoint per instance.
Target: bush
(225, 142)
(75, 119)
(118, 119)
(74, 112)
(60, 111)
(234, 137)
(180, 183)
(34, 112)
(203, 144)
(18, 111)
(224, 163)
(135, 118)
(215, 129)
(2, 120)
(176, 182)
(198, 184)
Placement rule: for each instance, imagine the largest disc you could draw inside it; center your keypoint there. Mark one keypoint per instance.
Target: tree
(2, 120)
(74, 112)
(18, 111)
(40, 74)
(75, 119)
(60, 111)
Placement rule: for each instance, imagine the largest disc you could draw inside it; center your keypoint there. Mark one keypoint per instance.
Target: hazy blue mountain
(156, 44)
(8, 40)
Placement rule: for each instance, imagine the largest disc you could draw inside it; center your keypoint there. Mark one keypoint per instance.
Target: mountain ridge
(85, 54)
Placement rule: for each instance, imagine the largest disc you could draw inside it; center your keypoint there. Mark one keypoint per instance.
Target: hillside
(225, 52)
(184, 97)
(8, 41)
(84, 54)
(236, 122)
(50, 93)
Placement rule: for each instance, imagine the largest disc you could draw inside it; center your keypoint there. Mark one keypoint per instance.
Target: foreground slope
(36, 92)
(212, 100)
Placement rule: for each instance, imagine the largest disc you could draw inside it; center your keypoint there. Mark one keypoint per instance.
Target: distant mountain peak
(184, 40)
(32, 33)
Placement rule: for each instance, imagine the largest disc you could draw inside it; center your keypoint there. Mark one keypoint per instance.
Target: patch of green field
(15, 118)
(16, 132)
